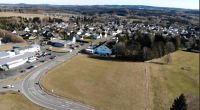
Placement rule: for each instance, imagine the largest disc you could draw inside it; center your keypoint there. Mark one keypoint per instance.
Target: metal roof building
(17, 56)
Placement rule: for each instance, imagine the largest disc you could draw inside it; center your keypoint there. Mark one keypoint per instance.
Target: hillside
(170, 80)
(117, 85)
(16, 101)
(9, 37)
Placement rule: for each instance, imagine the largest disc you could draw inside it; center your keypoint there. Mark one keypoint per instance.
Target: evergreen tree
(179, 103)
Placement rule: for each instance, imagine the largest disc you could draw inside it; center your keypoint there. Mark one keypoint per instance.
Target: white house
(79, 32)
(103, 50)
(114, 33)
(87, 34)
(106, 35)
(27, 29)
(96, 36)
(14, 32)
(91, 28)
(35, 31)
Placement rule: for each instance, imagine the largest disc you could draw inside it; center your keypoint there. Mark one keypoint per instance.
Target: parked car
(5, 87)
(72, 48)
(49, 54)
(52, 57)
(81, 44)
(42, 61)
(30, 67)
(77, 46)
(8, 86)
(22, 71)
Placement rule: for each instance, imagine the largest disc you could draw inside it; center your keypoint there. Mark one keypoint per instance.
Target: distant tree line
(145, 46)
(20, 23)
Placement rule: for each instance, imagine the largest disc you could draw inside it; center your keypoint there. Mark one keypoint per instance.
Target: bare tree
(146, 53)
(169, 48)
(120, 49)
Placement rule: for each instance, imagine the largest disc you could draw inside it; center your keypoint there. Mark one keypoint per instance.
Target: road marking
(49, 99)
(35, 75)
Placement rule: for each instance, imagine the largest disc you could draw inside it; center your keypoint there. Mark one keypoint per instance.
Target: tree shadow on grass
(158, 63)
(115, 59)
(192, 51)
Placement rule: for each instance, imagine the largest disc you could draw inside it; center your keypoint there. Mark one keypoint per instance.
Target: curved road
(31, 88)
(37, 95)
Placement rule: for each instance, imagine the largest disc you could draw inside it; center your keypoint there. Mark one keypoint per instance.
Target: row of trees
(20, 23)
(11, 23)
(145, 46)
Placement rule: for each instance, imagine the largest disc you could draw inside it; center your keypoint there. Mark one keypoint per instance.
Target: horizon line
(96, 5)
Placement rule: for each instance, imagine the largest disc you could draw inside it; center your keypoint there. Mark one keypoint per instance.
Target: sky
(189, 4)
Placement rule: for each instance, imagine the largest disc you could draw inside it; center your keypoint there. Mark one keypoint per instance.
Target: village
(62, 33)
(95, 49)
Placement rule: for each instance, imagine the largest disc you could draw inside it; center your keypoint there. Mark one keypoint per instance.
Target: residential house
(103, 50)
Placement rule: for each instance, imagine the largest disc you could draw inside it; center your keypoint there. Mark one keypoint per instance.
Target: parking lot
(23, 69)
(29, 66)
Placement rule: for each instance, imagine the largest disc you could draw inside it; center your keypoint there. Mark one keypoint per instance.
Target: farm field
(65, 16)
(26, 15)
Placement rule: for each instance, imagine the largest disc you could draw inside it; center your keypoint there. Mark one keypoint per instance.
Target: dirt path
(147, 87)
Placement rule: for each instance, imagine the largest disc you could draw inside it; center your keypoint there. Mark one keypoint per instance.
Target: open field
(16, 101)
(65, 16)
(105, 85)
(169, 81)
(9, 46)
(114, 85)
(26, 15)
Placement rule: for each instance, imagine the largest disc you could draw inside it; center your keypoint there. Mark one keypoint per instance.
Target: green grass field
(16, 101)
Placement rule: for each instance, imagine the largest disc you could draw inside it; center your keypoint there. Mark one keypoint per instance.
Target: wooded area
(146, 46)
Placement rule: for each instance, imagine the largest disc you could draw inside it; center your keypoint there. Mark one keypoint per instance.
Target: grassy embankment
(9, 46)
(114, 85)
(169, 81)
(16, 101)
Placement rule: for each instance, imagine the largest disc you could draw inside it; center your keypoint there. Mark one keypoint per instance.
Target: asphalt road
(15, 72)
(35, 92)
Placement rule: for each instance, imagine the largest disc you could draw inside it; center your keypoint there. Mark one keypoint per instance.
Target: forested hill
(93, 9)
